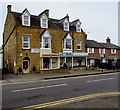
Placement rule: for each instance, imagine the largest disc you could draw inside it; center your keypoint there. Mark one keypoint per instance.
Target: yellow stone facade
(14, 53)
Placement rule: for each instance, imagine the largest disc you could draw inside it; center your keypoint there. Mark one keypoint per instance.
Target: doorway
(26, 62)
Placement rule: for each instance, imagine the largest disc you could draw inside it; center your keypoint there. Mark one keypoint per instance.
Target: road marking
(28, 89)
(57, 79)
(69, 100)
(99, 80)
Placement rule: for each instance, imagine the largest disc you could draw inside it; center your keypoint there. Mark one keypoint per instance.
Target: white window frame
(44, 17)
(26, 14)
(46, 35)
(90, 50)
(101, 51)
(78, 29)
(64, 43)
(66, 28)
(113, 51)
(25, 42)
(79, 44)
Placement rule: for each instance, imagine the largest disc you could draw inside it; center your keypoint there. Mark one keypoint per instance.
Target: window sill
(26, 49)
(79, 49)
(45, 48)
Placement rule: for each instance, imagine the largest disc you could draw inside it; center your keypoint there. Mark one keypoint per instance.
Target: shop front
(73, 59)
(49, 61)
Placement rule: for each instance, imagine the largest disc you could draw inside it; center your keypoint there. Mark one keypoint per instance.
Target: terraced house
(102, 52)
(43, 42)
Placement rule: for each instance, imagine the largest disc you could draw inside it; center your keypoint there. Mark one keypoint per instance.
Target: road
(21, 95)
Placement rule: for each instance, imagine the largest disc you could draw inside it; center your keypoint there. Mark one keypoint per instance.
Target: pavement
(12, 78)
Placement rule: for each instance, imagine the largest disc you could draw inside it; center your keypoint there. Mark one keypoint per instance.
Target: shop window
(26, 42)
(78, 44)
(54, 63)
(62, 61)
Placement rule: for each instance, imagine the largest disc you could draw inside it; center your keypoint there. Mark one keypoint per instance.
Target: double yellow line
(50, 104)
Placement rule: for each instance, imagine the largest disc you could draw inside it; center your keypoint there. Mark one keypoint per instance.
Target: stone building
(102, 52)
(43, 42)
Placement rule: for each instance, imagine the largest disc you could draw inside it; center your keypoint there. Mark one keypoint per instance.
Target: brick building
(43, 42)
(102, 52)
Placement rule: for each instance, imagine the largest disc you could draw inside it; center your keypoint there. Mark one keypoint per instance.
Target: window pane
(25, 45)
(46, 39)
(78, 46)
(25, 38)
(66, 24)
(46, 42)
(25, 17)
(26, 22)
(68, 44)
(46, 45)
(78, 42)
(78, 26)
(44, 24)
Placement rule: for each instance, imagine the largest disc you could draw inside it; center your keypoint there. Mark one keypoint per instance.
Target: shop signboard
(73, 54)
(35, 50)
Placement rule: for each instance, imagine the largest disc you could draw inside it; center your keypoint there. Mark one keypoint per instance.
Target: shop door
(69, 61)
(26, 66)
(46, 63)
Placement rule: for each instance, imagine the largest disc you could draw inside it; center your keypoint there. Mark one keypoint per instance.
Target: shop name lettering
(73, 54)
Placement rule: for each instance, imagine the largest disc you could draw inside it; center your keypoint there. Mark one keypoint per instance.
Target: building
(102, 52)
(43, 42)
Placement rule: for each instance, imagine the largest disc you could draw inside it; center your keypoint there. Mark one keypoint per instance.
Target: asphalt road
(21, 95)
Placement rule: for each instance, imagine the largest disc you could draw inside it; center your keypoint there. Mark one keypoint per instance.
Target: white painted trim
(26, 13)
(46, 34)
(41, 21)
(65, 21)
(26, 42)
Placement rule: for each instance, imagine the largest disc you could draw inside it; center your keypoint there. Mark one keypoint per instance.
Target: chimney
(108, 40)
(67, 16)
(9, 8)
(46, 12)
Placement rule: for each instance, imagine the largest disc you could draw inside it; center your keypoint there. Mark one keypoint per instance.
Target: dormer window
(26, 18)
(78, 27)
(66, 25)
(44, 21)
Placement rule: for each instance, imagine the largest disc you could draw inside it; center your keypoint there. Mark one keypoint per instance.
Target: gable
(46, 34)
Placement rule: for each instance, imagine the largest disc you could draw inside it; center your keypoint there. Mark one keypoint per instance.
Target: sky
(99, 19)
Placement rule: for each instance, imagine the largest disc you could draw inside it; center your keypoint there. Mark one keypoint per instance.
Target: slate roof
(95, 44)
(52, 23)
